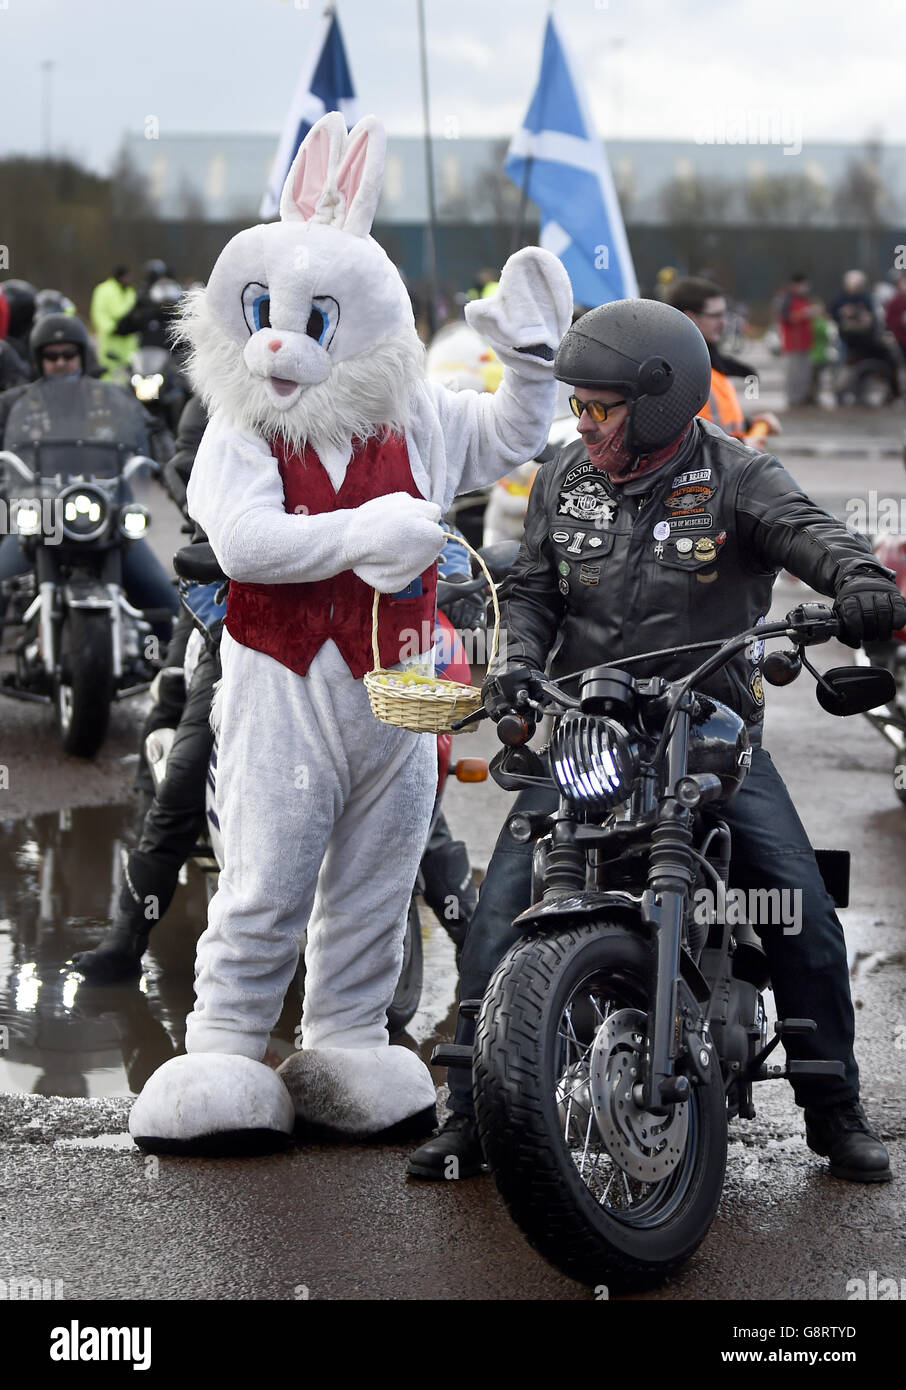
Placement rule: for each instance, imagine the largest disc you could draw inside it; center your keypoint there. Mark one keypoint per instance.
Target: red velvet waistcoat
(291, 622)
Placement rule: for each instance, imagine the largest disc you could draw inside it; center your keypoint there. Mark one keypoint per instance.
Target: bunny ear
(361, 174)
(314, 168)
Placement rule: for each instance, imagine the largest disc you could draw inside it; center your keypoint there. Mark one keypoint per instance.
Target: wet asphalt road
(81, 1206)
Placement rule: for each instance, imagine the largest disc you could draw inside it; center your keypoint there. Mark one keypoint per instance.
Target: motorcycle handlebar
(807, 625)
(18, 465)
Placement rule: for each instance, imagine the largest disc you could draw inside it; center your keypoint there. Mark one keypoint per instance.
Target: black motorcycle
(619, 1036)
(159, 384)
(82, 645)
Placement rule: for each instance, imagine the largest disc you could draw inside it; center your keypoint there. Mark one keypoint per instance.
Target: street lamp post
(47, 68)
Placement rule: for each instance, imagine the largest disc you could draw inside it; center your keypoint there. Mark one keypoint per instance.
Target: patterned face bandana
(616, 461)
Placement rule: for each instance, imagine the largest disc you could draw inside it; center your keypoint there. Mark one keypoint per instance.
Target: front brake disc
(645, 1146)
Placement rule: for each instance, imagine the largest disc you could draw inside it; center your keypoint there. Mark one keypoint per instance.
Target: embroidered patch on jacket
(698, 522)
(587, 501)
(589, 574)
(689, 498)
(695, 475)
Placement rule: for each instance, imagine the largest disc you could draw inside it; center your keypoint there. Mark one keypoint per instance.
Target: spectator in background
(853, 310)
(856, 315)
(895, 314)
(111, 300)
(666, 277)
(705, 304)
(796, 317)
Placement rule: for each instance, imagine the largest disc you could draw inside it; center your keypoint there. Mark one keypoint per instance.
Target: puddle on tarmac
(60, 877)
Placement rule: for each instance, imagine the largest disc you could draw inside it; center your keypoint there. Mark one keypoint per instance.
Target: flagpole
(430, 243)
(519, 225)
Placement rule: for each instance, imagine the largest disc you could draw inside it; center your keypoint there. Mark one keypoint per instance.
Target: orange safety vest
(722, 407)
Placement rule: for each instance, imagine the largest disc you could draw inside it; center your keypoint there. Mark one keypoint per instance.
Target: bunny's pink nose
(275, 345)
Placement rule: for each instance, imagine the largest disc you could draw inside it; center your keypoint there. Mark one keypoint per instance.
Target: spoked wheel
(609, 1193)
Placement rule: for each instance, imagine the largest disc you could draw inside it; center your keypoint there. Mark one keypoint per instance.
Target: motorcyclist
(65, 405)
(13, 371)
(652, 530)
(20, 296)
(110, 301)
(153, 317)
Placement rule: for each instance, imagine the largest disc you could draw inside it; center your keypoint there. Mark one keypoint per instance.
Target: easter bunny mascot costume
(322, 476)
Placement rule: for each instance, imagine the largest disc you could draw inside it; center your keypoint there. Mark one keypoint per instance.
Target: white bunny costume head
(305, 330)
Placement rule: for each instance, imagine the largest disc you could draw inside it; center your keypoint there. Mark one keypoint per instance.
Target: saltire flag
(325, 84)
(562, 165)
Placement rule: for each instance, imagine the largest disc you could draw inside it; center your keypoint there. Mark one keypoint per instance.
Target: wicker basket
(424, 704)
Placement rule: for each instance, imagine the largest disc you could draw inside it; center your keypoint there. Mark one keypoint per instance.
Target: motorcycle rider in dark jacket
(654, 530)
(65, 405)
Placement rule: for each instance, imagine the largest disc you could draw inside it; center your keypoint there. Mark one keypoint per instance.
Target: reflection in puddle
(60, 878)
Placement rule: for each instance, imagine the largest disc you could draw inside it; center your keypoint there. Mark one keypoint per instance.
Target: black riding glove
(465, 613)
(499, 693)
(868, 609)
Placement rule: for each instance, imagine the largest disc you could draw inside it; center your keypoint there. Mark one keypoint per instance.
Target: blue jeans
(809, 971)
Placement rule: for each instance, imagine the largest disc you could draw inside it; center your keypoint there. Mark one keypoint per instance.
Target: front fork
(670, 878)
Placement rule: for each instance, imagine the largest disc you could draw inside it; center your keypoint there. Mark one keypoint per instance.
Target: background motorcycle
(619, 1036)
(158, 383)
(82, 644)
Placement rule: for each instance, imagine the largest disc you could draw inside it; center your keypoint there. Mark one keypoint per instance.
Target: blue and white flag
(560, 162)
(324, 85)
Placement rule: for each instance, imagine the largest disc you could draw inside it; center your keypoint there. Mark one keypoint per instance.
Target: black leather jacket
(687, 553)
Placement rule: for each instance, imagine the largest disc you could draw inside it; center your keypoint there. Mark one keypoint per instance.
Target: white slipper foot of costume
(214, 1104)
(362, 1092)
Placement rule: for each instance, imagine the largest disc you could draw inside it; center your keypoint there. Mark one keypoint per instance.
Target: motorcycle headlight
(134, 521)
(594, 761)
(147, 388)
(28, 519)
(85, 512)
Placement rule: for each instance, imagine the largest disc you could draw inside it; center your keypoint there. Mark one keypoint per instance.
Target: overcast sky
(652, 68)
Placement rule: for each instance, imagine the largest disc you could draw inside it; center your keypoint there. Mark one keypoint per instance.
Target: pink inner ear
(311, 173)
(353, 167)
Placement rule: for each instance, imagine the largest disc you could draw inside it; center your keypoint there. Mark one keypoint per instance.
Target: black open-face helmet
(650, 353)
(57, 328)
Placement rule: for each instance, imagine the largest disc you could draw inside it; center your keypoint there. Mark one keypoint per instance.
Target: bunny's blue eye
(323, 319)
(256, 306)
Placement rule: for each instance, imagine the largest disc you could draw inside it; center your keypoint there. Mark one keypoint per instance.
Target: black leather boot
(118, 955)
(454, 1152)
(842, 1134)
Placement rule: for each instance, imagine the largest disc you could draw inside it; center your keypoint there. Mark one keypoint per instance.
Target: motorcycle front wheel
(613, 1196)
(83, 689)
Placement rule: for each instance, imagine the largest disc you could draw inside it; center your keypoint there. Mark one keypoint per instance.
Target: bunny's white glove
(390, 540)
(525, 320)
